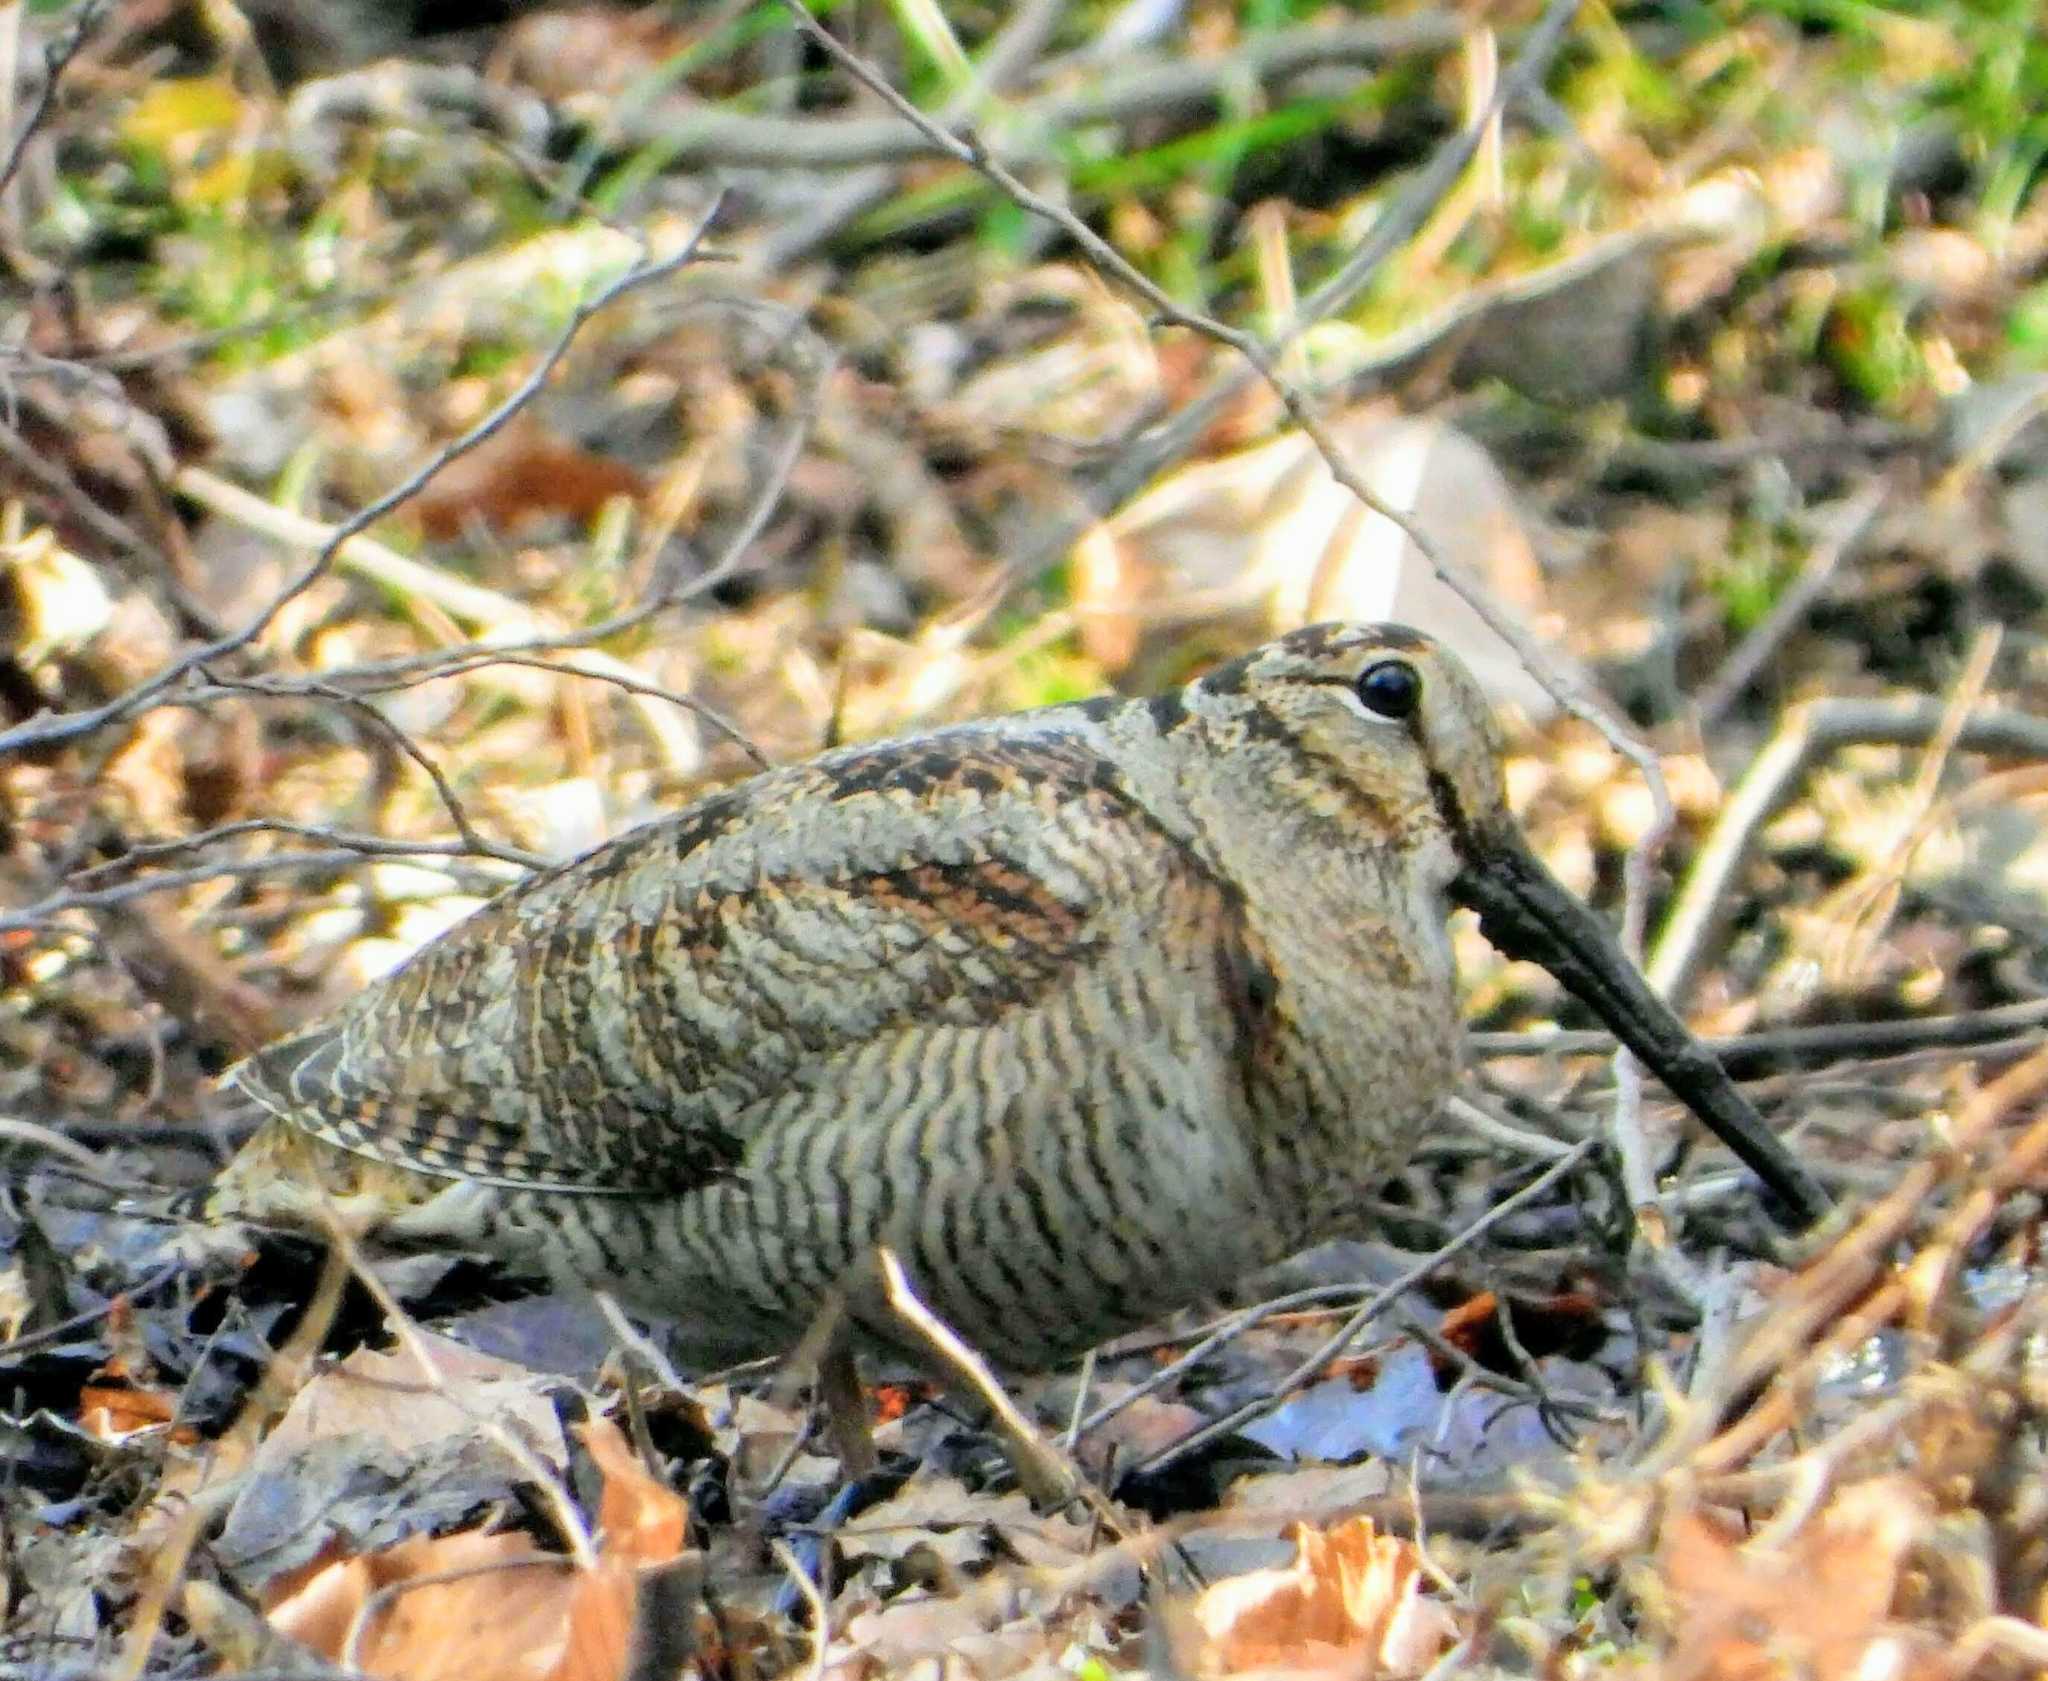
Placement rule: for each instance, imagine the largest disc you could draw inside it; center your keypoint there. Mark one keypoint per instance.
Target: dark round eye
(1393, 688)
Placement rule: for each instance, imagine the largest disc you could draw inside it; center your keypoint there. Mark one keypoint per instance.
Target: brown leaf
(941, 1517)
(640, 1520)
(507, 1611)
(1266, 539)
(1349, 1605)
(388, 1396)
(1817, 1606)
(112, 1411)
(1567, 1322)
(501, 1616)
(521, 475)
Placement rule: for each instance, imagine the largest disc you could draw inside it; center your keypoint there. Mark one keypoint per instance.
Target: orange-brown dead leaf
(521, 475)
(1567, 1322)
(892, 1401)
(599, 1625)
(1361, 1371)
(505, 1611)
(640, 1520)
(501, 1614)
(1818, 1606)
(111, 1411)
(1349, 1605)
(1465, 1325)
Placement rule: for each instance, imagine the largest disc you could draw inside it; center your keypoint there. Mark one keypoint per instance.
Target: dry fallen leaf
(477, 1607)
(641, 1520)
(641, 1523)
(940, 1516)
(1268, 540)
(114, 1411)
(522, 475)
(1817, 1605)
(390, 1396)
(1350, 1605)
(466, 1607)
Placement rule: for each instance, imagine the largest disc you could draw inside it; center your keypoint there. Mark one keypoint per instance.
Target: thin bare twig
(85, 1162)
(1755, 650)
(498, 613)
(1476, 1119)
(1751, 1053)
(128, 547)
(473, 842)
(57, 58)
(50, 730)
(377, 677)
(814, 1602)
(345, 685)
(1229, 1330)
(1807, 734)
(1530, 1393)
(1006, 58)
(1854, 1289)
(40, 915)
(146, 853)
(1368, 1310)
(1140, 456)
(283, 1377)
(708, 138)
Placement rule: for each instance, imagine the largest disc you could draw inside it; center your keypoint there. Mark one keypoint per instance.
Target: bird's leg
(1048, 1476)
(846, 1409)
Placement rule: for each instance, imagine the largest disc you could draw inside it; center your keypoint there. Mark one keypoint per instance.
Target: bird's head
(1382, 733)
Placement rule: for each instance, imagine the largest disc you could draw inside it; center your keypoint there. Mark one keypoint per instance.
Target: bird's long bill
(1526, 912)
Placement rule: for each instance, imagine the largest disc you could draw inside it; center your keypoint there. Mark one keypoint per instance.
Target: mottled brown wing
(616, 1024)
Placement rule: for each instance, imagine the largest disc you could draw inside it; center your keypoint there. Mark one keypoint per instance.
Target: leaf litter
(1825, 1464)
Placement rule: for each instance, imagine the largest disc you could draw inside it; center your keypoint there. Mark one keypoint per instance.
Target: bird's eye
(1393, 689)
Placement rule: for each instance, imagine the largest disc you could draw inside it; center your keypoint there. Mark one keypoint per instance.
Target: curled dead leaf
(1817, 1604)
(1266, 539)
(114, 1411)
(479, 1607)
(1350, 1604)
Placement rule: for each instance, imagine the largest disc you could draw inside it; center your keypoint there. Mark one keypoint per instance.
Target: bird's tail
(286, 1177)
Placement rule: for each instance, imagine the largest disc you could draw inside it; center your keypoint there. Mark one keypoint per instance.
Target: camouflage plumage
(1084, 1011)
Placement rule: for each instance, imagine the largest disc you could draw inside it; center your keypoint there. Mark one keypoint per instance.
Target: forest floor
(416, 470)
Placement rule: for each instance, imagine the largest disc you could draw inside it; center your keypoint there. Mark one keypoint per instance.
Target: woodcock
(1085, 1012)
